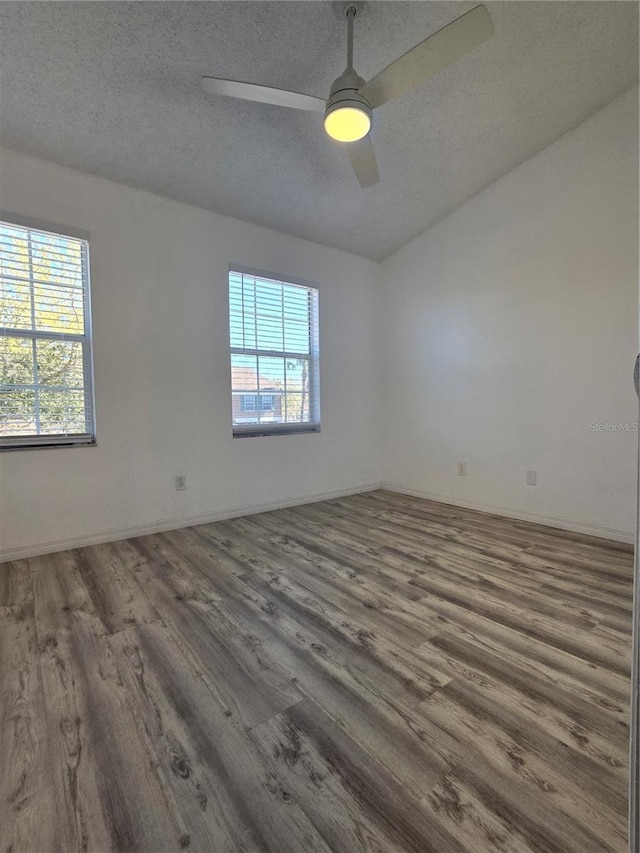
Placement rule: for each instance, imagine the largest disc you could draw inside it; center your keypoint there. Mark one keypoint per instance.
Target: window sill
(47, 445)
(261, 432)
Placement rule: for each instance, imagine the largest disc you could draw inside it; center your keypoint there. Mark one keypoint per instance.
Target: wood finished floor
(373, 673)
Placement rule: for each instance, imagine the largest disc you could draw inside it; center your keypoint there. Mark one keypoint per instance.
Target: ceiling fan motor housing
(344, 93)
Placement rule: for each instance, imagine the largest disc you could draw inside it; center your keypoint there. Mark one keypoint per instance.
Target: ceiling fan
(348, 110)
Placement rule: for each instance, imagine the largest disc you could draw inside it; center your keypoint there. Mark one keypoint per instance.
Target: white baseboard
(536, 518)
(160, 525)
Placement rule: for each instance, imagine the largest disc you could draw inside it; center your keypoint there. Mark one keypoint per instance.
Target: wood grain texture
(376, 673)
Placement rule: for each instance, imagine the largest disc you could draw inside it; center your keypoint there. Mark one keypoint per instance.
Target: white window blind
(274, 354)
(45, 339)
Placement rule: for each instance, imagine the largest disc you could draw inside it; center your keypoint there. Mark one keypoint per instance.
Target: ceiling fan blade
(363, 160)
(263, 94)
(430, 56)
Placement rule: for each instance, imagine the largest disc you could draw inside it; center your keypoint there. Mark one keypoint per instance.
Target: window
(266, 402)
(274, 354)
(45, 338)
(248, 403)
(257, 403)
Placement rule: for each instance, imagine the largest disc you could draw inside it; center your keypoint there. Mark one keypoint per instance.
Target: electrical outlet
(181, 482)
(462, 469)
(532, 478)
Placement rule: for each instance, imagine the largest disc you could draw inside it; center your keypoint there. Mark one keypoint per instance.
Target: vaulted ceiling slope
(113, 88)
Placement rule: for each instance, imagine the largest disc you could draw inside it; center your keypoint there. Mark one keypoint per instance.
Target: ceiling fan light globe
(347, 122)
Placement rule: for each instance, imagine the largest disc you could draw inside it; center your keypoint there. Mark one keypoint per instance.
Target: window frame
(86, 439)
(241, 430)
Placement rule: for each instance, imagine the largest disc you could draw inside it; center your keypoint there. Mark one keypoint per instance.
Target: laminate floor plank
(412, 551)
(383, 801)
(369, 655)
(203, 817)
(202, 562)
(369, 674)
(591, 720)
(104, 783)
(417, 527)
(225, 657)
(227, 798)
(250, 791)
(15, 585)
(113, 590)
(339, 585)
(335, 556)
(500, 538)
(334, 805)
(494, 548)
(541, 823)
(345, 551)
(474, 824)
(158, 568)
(532, 752)
(404, 551)
(607, 688)
(401, 741)
(26, 789)
(510, 529)
(592, 645)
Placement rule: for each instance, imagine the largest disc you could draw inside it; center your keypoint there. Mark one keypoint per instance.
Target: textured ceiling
(114, 89)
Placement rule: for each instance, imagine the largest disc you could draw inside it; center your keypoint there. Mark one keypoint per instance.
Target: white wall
(162, 376)
(512, 325)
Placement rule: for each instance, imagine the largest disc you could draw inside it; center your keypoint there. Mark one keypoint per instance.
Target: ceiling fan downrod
(350, 11)
(348, 114)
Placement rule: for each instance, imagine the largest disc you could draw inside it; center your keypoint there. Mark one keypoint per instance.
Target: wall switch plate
(181, 482)
(462, 469)
(532, 478)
